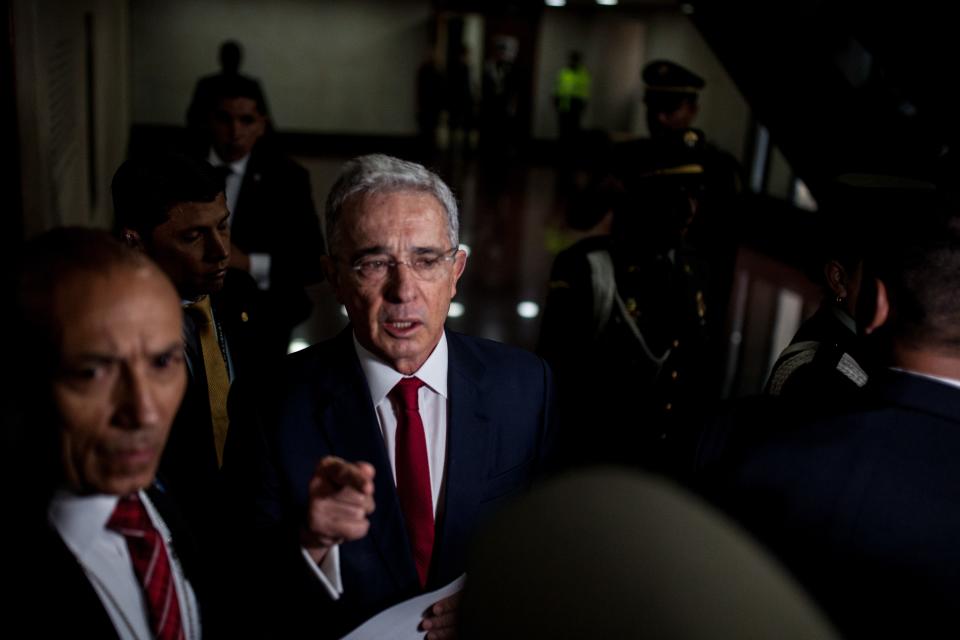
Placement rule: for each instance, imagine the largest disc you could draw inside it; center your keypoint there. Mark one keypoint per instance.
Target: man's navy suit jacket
(863, 507)
(499, 412)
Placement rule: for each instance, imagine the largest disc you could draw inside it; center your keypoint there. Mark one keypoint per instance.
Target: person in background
(230, 57)
(275, 232)
(571, 96)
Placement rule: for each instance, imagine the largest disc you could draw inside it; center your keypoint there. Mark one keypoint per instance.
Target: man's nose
(136, 405)
(401, 283)
(218, 246)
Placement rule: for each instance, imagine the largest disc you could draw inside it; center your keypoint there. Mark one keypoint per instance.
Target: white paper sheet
(400, 621)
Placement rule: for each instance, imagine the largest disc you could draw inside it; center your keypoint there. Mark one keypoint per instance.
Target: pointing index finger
(339, 472)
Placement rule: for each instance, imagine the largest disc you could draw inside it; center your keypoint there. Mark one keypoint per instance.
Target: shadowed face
(193, 246)
(236, 125)
(398, 316)
(120, 378)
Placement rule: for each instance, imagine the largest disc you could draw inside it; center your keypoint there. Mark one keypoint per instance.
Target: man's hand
(341, 498)
(440, 622)
(239, 259)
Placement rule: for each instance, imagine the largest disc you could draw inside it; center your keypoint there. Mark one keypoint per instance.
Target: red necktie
(413, 474)
(151, 565)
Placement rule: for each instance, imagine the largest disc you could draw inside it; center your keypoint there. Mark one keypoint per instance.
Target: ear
(132, 239)
(459, 264)
(881, 310)
(836, 277)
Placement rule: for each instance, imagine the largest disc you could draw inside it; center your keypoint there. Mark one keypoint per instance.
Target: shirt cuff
(328, 572)
(260, 269)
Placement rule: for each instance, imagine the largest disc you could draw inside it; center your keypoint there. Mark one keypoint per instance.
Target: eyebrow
(378, 250)
(108, 358)
(203, 227)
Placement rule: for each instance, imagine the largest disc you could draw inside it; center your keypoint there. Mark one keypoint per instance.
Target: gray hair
(378, 173)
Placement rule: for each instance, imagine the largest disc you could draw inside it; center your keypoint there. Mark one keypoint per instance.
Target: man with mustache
(376, 454)
(172, 207)
(96, 546)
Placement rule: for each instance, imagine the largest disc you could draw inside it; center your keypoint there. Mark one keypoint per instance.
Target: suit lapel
(467, 443)
(233, 313)
(348, 420)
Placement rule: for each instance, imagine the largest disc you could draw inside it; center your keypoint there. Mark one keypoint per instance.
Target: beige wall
(52, 107)
(616, 46)
(343, 67)
(612, 46)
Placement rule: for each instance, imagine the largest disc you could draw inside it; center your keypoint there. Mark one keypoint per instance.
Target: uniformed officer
(822, 369)
(628, 321)
(827, 363)
(671, 97)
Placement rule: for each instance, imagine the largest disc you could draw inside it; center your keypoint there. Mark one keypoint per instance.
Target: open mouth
(401, 328)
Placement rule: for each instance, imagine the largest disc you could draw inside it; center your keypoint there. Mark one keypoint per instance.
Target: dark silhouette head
(231, 55)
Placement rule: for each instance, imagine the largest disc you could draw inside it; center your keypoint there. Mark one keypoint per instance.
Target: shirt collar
(381, 377)
(80, 520)
(238, 167)
(950, 381)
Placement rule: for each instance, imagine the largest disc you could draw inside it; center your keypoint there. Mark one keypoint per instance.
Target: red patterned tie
(413, 474)
(151, 565)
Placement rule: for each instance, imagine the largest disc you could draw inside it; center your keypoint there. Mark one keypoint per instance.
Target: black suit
(500, 407)
(189, 464)
(50, 595)
(275, 215)
(863, 507)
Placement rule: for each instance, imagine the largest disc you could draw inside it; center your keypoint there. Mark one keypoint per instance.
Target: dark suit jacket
(499, 412)
(863, 507)
(189, 464)
(275, 215)
(50, 594)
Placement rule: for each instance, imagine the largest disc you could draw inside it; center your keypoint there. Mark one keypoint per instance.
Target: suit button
(676, 343)
(674, 375)
(668, 406)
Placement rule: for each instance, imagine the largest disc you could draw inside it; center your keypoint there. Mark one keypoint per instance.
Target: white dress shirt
(259, 262)
(81, 522)
(432, 399)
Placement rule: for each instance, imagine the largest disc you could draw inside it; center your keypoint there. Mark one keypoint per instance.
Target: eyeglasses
(426, 266)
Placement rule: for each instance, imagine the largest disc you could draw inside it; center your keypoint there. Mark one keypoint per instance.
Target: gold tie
(215, 367)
